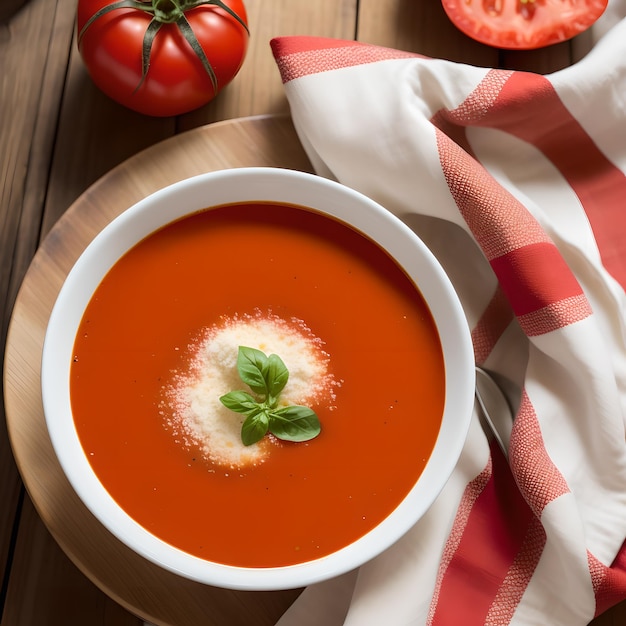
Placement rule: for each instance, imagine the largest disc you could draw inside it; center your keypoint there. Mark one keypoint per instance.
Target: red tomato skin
(547, 22)
(176, 81)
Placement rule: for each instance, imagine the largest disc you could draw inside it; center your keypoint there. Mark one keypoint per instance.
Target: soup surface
(139, 335)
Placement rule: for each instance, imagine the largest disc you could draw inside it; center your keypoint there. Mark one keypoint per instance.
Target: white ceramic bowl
(241, 185)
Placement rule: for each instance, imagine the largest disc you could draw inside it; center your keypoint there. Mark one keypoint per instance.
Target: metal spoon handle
(495, 408)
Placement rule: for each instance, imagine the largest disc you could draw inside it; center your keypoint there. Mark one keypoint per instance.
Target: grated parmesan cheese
(192, 403)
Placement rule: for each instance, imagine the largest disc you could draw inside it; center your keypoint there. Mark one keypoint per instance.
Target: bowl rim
(206, 191)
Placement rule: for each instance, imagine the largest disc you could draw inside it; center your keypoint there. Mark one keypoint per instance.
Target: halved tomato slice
(523, 24)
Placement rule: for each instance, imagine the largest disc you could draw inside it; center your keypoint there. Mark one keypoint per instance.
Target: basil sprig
(267, 376)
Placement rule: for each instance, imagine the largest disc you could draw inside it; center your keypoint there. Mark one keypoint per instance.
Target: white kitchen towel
(516, 182)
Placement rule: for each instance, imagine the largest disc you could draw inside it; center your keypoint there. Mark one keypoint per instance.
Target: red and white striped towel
(516, 182)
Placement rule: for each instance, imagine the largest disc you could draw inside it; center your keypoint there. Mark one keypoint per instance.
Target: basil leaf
(267, 377)
(255, 427)
(253, 365)
(277, 377)
(239, 401)
(294, 423)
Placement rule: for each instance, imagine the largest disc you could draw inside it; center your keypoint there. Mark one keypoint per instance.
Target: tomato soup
(307, 499)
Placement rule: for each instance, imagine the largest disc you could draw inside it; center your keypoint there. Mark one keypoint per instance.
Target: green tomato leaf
(146, 49)
(277, 377)
(294, 423)
(254, 428)
(185, 28)
(240, 402)
(121, 4)
(253, 367)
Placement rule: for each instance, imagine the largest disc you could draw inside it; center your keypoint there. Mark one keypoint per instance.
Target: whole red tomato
(162, 57)
(523, 24)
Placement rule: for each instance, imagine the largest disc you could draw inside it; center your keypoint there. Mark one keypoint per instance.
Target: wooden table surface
(59, 135)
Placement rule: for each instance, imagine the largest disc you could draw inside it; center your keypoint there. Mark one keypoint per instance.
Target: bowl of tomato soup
(257, 378)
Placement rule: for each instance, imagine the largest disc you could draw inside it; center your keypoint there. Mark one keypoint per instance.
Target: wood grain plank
(9, 8)
(42, 143)
(33, 52)
(94, 135)
(582, 45)
(46, 588)
(257, 89)
(542, 61)
(421, 27)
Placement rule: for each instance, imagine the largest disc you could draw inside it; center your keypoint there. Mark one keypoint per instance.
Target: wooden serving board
(145, 589)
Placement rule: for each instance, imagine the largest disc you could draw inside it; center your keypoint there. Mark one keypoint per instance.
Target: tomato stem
(166, 11)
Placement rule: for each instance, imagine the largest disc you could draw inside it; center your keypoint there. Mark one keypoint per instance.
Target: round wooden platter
(142, 587)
